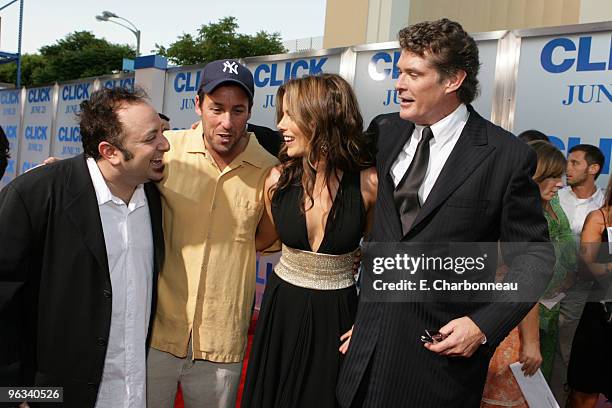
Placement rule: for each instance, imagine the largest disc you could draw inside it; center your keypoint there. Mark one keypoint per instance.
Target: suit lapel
(155, 212)
(82, 209)
(396, 142)
(154, 204)
(469, 153)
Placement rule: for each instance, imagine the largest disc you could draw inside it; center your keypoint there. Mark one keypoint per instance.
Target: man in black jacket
(268, 139)
(81, 247)
(445, 175)
(4, 152)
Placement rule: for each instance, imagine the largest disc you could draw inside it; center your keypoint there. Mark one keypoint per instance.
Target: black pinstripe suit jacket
(484, 193)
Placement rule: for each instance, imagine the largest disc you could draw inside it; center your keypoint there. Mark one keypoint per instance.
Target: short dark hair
(592, 155)
(531, 135)
(99, 120)
(448, 48)
(4, 152)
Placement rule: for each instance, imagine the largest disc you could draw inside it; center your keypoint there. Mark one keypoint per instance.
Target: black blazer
(55, 287)
(484, 193)
(268, 139)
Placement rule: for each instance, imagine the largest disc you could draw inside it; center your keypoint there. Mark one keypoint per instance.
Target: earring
(324, 148)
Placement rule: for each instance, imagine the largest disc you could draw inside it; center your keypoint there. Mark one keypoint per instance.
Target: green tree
(29, 64)
(78, 55)
(220, 40)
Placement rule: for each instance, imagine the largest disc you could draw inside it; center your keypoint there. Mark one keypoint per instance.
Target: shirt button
(101, 341)
(107, 294)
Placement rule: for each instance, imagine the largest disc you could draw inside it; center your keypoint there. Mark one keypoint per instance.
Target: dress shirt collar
(195, 141)
(444, 129)
(103, 193)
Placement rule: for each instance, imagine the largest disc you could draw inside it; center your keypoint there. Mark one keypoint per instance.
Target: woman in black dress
(590, 367)
(319, 202)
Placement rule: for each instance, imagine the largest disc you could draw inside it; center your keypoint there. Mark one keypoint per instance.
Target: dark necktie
(406, 194)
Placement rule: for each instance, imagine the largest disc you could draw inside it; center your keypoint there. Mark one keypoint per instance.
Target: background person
(589, 372)
(269, 139)
(534, 341)
(532, 135)
(581, 196)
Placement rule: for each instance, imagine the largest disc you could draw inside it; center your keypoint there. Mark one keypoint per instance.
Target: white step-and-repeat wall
(557, 80)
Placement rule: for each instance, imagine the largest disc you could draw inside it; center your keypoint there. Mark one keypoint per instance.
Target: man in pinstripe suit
(445, 175)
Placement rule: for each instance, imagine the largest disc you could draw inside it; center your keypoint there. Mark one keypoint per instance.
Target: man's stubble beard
(577, 183)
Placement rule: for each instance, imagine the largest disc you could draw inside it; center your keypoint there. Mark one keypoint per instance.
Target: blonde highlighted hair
(551, 162)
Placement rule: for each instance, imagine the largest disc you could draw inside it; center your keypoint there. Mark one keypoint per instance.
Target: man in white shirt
(81, 247)
(584, 164)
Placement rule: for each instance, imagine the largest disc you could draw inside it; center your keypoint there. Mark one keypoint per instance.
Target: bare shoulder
(275, 173)
(273, 176)
(595, 219)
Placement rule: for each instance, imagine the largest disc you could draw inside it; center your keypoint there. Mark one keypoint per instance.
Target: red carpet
(179, 396)
(178, 403)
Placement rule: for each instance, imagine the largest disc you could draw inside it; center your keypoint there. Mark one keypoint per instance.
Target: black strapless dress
(294, 359)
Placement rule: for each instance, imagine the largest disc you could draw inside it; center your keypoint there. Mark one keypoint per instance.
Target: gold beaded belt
(316, 271)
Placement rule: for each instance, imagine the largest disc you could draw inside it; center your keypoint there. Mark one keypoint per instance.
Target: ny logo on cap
(232, 66)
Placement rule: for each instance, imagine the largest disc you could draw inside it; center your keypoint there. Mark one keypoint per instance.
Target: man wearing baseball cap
(212, 198)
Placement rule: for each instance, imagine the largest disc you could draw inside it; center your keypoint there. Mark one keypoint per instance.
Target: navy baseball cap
(220, 72)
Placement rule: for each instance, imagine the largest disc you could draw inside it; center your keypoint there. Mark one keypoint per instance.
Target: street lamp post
(107, 16)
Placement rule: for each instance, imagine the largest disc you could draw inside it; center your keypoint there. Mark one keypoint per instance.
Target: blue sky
(160, 22)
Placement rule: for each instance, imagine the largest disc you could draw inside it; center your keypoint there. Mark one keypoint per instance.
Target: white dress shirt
(577, 209)
(446, 132)
(129, 247)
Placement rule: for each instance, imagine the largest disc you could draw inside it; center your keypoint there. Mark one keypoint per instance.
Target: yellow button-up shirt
(207, 284)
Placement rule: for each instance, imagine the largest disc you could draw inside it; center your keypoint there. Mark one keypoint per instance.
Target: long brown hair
(325, 110)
